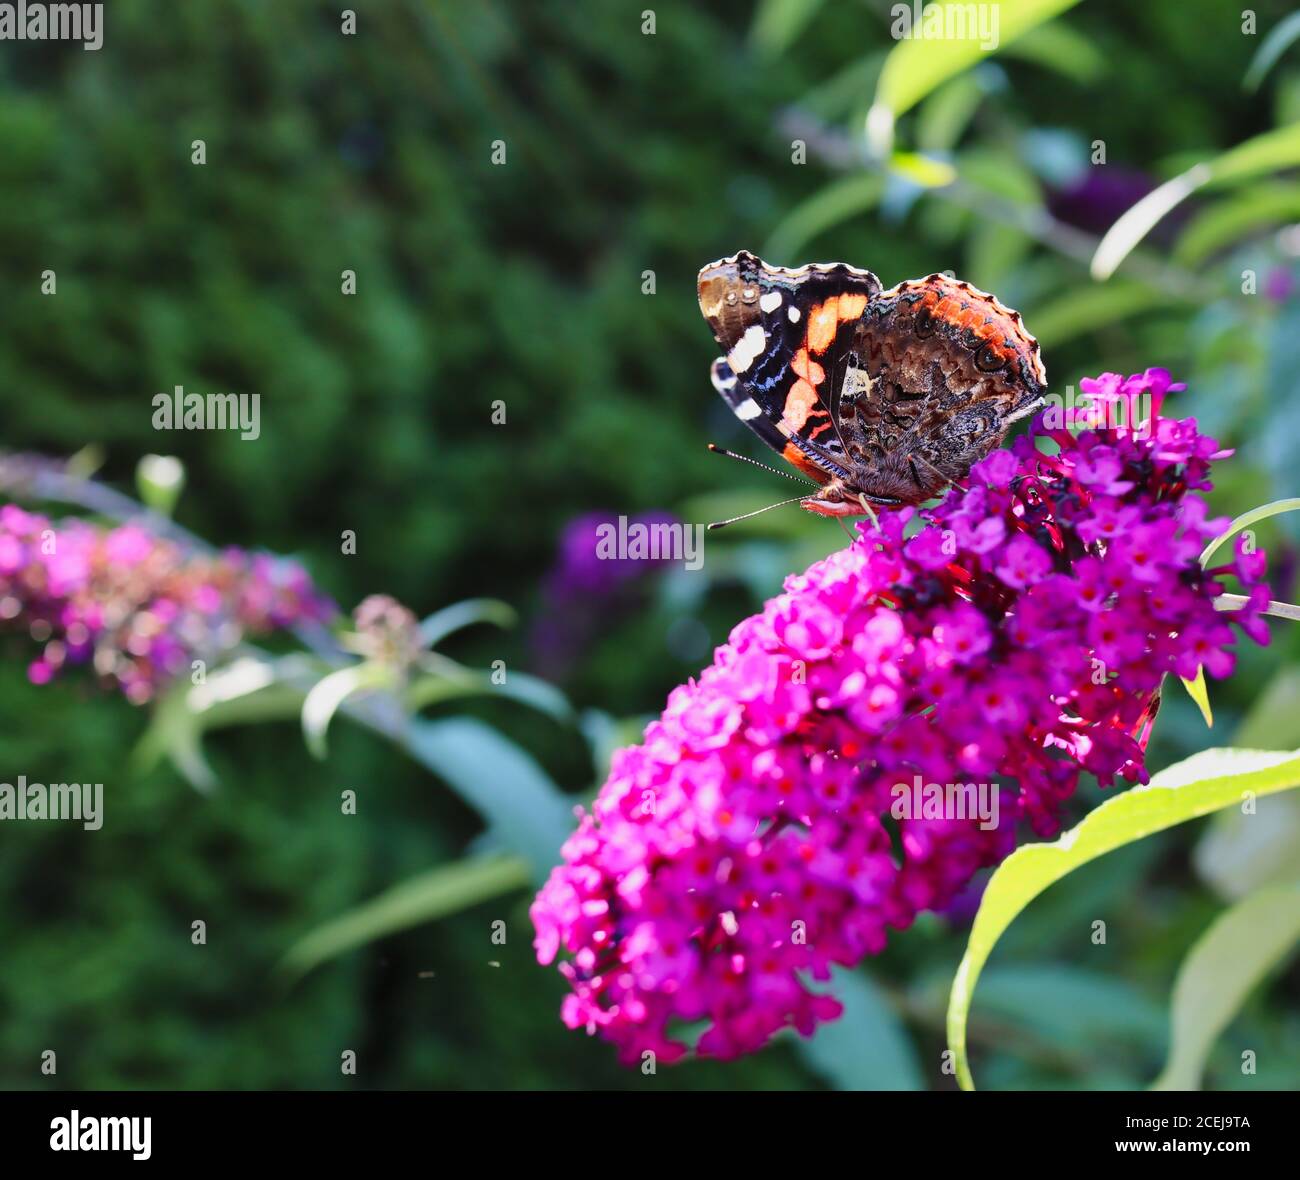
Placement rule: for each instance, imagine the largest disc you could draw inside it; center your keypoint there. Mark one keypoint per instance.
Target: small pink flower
(1023, 563)
(128, 545)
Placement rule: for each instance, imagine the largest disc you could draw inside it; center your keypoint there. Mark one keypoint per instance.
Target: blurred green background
(626, 152)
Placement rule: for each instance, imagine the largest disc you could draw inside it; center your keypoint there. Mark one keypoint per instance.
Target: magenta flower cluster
(135, 607)
(1019, 639)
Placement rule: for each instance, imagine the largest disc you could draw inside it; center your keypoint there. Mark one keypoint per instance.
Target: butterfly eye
(923, 324)
(988, 361)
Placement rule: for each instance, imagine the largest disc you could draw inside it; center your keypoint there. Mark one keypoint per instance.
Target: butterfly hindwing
(938, 370)
(737, 395)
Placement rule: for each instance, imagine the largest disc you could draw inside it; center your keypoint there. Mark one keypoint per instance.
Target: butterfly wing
(937, 370)
(787, 336)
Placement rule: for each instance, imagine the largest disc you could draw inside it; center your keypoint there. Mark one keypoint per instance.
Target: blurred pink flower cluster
(1018, 640)
(137, 608)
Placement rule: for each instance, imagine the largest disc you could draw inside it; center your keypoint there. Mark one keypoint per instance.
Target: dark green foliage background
(477, 283)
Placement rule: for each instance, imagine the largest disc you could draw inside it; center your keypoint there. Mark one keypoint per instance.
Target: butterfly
(880, 397)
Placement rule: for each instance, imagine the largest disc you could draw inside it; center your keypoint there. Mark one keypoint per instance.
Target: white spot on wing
(793, 313)
(748, 409)
(771, 301)
(747, 349)
(857, 384)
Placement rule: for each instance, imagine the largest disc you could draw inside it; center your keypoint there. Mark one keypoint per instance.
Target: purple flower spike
(777, 819)
(136, 606)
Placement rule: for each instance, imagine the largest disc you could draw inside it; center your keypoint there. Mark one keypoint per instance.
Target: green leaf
(918, 64)
(1199, 785)
(946, 114)
(254, 689)
(1273, 721)
(867, 1048)
(440, 624)
(993, 252)
(1269, 152)
(1049, 928)
(778, 23)
(1000, 172)
(328, 695)
(248, 689)
(1088, 308)
(839, 201)
(1244, 521)
(832, 99)
(1059, 47)
(517, 686)
(1235, 216)
(174, 733)
(83, 464)
(1242, 946)
(1197, 690)
(1073, 1012)
(1279, 40)
(501, 782)
(994, 248)
(425, 898)
(922, 170)
(1240, 853)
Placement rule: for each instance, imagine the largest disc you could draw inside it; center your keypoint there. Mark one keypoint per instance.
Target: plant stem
(1282, 610)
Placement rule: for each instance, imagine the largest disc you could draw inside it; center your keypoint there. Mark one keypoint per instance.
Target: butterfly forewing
(888, 394)
(784, 333)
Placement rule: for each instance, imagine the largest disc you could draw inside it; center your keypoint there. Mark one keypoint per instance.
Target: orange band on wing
(822, 322)
(977, 317)
(808, 369)
(852, 306)
(800, 404)
(824, 319)
(794, 455)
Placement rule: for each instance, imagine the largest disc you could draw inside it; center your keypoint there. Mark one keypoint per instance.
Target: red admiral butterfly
(881, 397)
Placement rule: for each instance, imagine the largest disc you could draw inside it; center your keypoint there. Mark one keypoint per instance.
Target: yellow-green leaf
(1270, 152)
(919, 63)
(1205, 783)
(922, 170)
(1197, 690)
(1245, 520)
(328, 694)
(432, 895)
(1242, 852)
(837, 202)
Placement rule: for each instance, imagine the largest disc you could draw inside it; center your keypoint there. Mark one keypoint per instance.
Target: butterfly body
(884, 397)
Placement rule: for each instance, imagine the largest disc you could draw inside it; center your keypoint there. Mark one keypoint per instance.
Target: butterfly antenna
(757, 511)
(755, 463)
